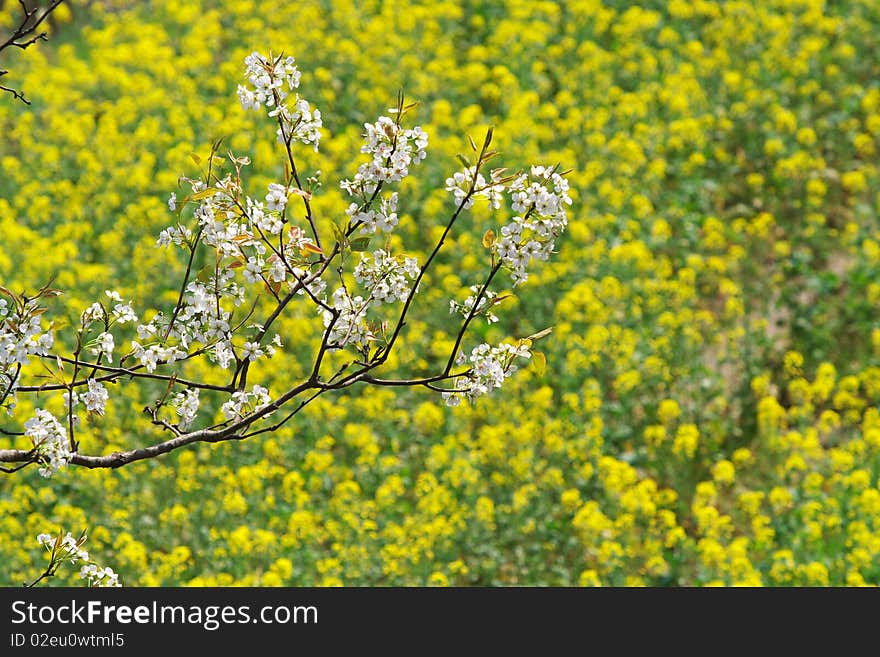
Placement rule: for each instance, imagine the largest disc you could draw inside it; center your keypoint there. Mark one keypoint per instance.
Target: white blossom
(178, 235)
(392, 150)
(483, 308)
(490, 366)
(122, 311)
(49, 438)
(385, 277)
(95, 398)
(350, 326)
(104, 344)
(268, 79)
(243, 402)
(186, 404)
(98, 576)
(539, 199)
(69, 550)
(302, 123)
(276, 199)
(150, 357)
(271, 81)
(251, 351)
(22, 336)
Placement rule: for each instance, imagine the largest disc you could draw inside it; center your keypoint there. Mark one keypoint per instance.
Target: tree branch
(30, 21)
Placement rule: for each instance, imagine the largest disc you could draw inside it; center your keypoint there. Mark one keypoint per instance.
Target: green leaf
(339, 235)
(205, 274)
(205, 193)
(360, 244)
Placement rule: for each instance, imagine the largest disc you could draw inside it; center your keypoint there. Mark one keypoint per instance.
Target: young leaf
(308, 247)
(339, 234)
(489, 238)
(205, 193)
(195, 158)
(488, 140)
(360, 244)
(273, 286)
(205, 274)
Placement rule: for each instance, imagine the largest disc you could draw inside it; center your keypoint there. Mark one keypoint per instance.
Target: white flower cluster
(302, 123)
(70, 549)
(244, 402)
(460, 184)
(150, 356)
(230, 230)
(252, 350)
(370, 220)
(271, 82)
(176, 234)
(490, 366)
(120, 313)
(392, 150)
(268, 80)
(104, 345)
(186, 404)
(98, 576)
(276, 199)
(540, 200)
(197, 321)
(385, 276)
(21, 336)
(95, 398)
(350, 326)
(483, 308)
(218, 215)
(49, 437)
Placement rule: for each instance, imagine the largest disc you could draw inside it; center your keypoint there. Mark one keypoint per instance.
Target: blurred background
(708, 413)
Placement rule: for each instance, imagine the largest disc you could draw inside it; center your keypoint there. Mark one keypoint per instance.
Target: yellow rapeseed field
(709, 412)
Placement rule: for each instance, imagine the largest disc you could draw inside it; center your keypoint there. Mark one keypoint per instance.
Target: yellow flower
(686, 441)
(438, 579)
(793, 363)
(854, 181)
(815, 574)
(668, 411)
(724, 472)
(589, 578)
(570, 499)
